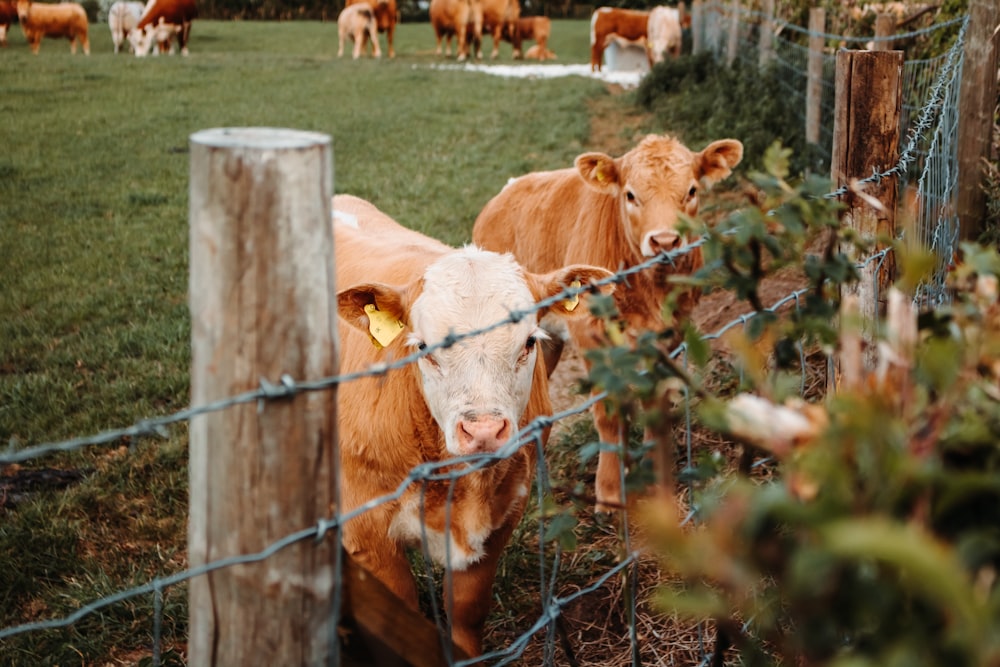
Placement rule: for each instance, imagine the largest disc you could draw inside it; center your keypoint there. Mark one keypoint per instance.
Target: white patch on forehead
(467, 290)
(345, 218)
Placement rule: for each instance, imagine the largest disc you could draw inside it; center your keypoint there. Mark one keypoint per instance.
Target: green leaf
(699, 351)
(560, 528)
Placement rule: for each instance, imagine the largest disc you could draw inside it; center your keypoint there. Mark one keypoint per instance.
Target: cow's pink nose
(483, 435)
(663, 241)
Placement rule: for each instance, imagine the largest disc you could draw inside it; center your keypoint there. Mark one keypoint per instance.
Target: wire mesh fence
(927, 161)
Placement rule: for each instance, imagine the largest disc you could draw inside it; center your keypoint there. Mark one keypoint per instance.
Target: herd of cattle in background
(160, 22)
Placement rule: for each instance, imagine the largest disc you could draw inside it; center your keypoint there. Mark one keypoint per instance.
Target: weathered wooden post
(885, 28)
(732, 46)
(977, 95)
(866, 141)
(261, 295)
(814, 70)
(765, 46)
(697, 27)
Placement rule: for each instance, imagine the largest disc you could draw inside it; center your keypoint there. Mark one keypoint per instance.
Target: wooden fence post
(814, 84)
(261, 295)
(766, 38)
(885, 27)
(869, 98)
(697, 27)
(977, 95)
(732, 46)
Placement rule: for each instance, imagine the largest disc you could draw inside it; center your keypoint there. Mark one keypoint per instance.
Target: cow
(386, 18)
(539, 52)
(162, 20)
(66, 19)
(123, 17)
(664, 33)
(495, 17)
(606, 23)
(615, 213)
(8, 14)
(451, 18)
(537, 28)
(402, 292)
(357, 23)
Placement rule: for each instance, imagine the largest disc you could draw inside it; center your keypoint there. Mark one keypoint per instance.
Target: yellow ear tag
(383, 328)
(571, 303)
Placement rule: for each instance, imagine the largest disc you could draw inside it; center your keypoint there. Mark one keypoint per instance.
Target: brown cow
(357, 24)
(67, 19)
(8, 14)
(607, 23)
(615, 213)
(386, 18)
(451, 18)
(403, 292)
(161, 20)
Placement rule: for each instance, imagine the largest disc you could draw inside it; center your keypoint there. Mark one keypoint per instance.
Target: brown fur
(67, 19)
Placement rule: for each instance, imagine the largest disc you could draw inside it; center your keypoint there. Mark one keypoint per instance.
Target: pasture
(94, 323)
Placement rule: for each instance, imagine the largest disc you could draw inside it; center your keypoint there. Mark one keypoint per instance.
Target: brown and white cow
(606, 23)
(386, 18)
(615, 213)
(539, 52)
(123, 17)
(162, 20)
(664, 31)
(8, 15)
(357, 24)
(66, 19)
(402, 292)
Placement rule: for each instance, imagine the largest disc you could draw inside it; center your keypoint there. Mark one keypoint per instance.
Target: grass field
(94, 323)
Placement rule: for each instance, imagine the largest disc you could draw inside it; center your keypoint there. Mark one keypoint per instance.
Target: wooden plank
(814, 68)
(261, 295)
(866, 141)
(977, 97)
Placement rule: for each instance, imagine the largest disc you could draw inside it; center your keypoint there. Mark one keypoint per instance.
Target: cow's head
(142, 40)
(476, 389)
(654, 182)
(23, 7)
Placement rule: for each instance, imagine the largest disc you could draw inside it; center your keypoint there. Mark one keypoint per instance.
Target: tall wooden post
(866, 141)
(732, 46)
(977, 95)
(814, 83)
(697, 27)
(766, 38)
(885, 27)
(261, 289)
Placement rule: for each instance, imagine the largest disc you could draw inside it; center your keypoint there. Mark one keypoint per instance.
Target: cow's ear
(378, 310)
(716, 162)
(547, 285)
(599, 171)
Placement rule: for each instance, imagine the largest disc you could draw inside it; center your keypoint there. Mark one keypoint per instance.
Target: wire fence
(929, 144)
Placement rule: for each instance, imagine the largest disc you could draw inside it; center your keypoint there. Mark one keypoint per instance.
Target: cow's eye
(630, 196)
(693, 192)
(421, 346)
(529, 345)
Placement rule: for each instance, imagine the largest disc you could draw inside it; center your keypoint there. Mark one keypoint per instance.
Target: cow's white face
(478, 388)
(656, 182)
(141, 40)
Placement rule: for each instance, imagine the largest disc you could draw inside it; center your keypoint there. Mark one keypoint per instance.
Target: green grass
(94, 322)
